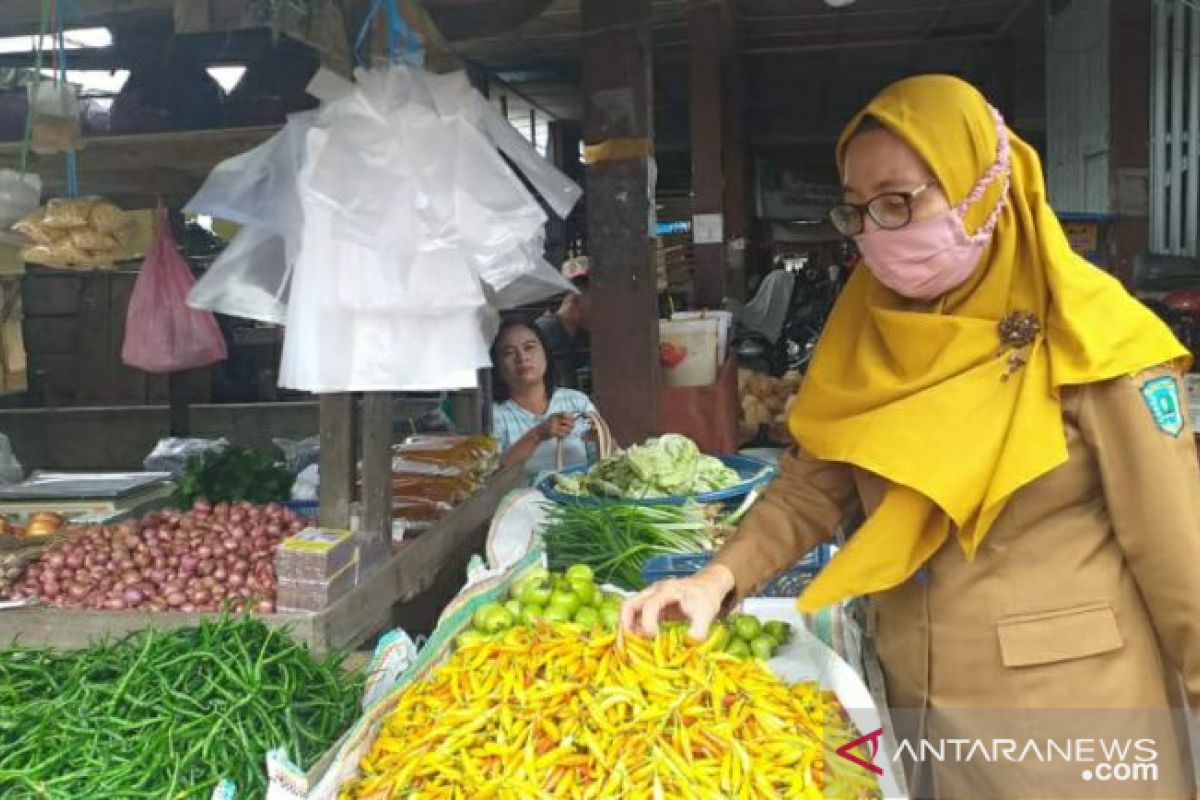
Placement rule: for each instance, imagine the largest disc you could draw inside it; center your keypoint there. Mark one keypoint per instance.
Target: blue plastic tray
(754, 473)
(788, 584)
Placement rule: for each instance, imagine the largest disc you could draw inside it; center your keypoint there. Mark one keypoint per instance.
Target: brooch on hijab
(1018, 330)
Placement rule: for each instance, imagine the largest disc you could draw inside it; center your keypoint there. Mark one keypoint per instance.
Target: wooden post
(375, 524)
(1129, 110)
(618, 130)
(735, 165)
(338, 457)
(179, 386)
(708, 121)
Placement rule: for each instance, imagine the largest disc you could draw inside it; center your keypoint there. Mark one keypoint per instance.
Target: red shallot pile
(207, 559)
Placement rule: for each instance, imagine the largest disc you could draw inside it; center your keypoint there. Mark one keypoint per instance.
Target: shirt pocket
(1050, 637)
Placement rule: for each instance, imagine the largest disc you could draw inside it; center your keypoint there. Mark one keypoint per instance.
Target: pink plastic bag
(162, 334)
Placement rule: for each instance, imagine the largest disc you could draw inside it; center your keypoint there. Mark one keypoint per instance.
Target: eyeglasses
(890, 211)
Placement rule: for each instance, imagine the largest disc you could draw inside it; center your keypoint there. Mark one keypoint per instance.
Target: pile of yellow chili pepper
(559, 712)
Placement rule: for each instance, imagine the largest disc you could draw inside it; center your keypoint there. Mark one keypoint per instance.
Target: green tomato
(738, 648)
(585, 591)
(611, 617)
(531, 615)
(493, 618)
(534, 592)
(567, 600)
(556, 615)
(764, 647)
(588, 617)
(469, 637)
(580, 573)
(780, 630)
(746, 627)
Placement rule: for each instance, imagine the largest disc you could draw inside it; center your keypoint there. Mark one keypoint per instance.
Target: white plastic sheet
(385, 230)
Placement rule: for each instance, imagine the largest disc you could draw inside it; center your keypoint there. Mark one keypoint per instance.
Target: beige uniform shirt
(1084, 595)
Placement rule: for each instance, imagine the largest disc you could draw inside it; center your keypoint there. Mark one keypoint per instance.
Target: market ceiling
(795, 52)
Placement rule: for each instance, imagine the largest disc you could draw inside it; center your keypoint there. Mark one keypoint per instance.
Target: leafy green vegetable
(231, 475)
(669, 465)
(616, 541)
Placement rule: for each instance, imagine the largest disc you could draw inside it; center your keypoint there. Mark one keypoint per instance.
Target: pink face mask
(924, 260)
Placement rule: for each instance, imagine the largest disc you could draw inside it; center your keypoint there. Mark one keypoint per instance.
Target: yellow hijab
(920, 397)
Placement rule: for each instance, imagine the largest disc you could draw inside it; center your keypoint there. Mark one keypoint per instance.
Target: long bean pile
(617, 540)
(166, 715)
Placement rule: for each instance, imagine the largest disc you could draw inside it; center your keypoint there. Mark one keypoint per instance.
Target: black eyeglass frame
(863, 210)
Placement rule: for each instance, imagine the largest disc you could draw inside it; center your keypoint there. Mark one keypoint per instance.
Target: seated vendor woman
(531, 414)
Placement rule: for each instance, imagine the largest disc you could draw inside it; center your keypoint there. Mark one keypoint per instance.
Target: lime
(588, 617)
(513, 607)
(566, 600)
(611, 617)
(780, 630)
(530, 615)
(764, 647)
(534, 591)
(580, 573)
(556, 614)
(738, 648)
(746, 627)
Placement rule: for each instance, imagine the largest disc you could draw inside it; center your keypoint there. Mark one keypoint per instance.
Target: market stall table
(365, 611)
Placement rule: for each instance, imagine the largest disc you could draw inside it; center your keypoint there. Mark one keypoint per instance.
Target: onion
(115, 604)
(50, 589)
(236, 516)
(200, 596)
(134, 596)
(56, 560)
(188, 607)
(187, 563)
(220, 574)
(265, 607)
(142, 561)
(204, 551)
(176, 598)
(77, 591)
(204, 568)
(275, 530)
(230, 545)
(235, 580)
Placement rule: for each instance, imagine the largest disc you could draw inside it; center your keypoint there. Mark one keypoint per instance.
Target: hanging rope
(72, 165)
(36, 82)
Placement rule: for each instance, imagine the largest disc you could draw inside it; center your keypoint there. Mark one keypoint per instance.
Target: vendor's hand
(557, 426)
(696, 600)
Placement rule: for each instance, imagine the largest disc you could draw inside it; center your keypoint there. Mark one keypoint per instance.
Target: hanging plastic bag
(161, 333)
(250, 279)
(19, 196)
(56, 126)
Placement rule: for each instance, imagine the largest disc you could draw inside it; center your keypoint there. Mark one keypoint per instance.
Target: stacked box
(315, 568)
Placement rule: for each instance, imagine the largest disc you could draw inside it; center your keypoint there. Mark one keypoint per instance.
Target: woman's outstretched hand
(696, 600)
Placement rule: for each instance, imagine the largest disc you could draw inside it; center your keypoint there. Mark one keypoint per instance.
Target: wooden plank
(375, 529)
(618, 106)
(24, 16)
(136, 169)
(94, 385)
(48, 292)
(338, 458)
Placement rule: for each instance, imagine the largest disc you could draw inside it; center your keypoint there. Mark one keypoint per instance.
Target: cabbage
(662, 467)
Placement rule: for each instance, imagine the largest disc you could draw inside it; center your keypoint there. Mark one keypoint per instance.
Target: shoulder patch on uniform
(1162, 397)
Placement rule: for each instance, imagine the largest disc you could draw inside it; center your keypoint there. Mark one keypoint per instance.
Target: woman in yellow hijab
(1012, 423)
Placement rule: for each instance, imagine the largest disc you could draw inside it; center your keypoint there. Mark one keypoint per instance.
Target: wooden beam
(618, 114)
(142, 167)
(24, 16)
(707, 121)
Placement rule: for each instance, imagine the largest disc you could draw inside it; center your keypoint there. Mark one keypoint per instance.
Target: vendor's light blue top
(511, 421)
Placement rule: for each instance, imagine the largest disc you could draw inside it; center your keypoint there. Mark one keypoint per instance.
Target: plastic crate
(788, 584)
